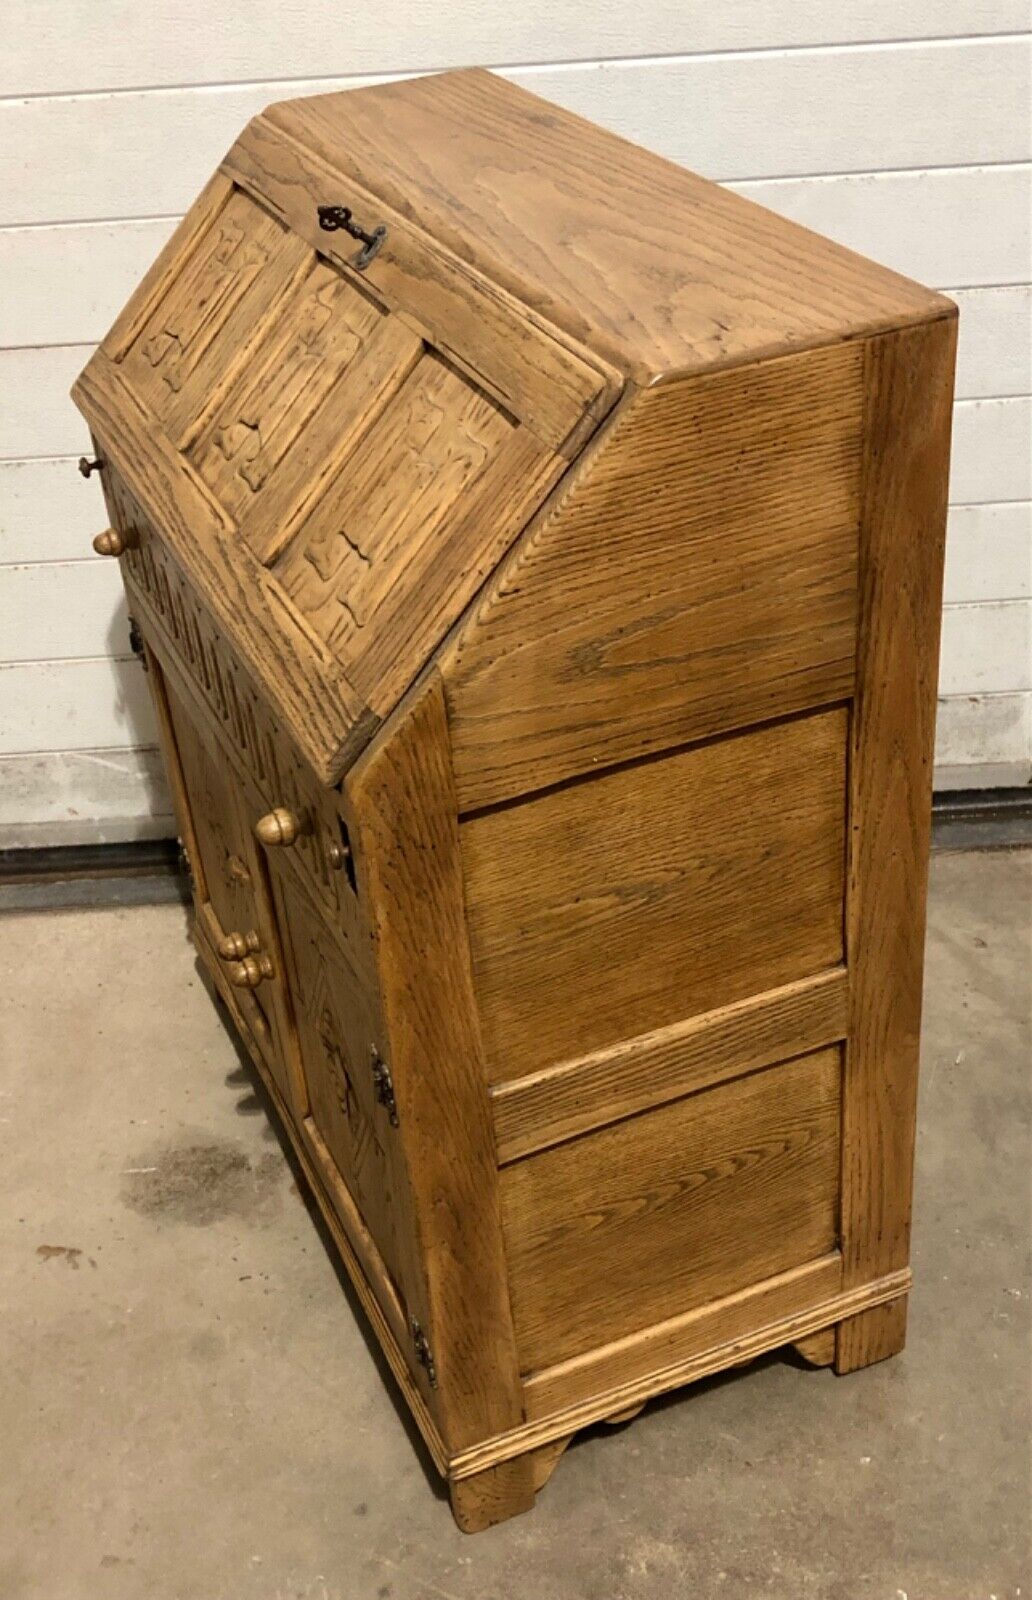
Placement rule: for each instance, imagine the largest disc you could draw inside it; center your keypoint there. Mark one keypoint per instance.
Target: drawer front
(614, 1232)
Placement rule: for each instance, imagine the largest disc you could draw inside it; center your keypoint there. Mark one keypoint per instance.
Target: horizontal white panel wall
(901, 129)
(731, 117)
(971, 221)
(97, 703)
(125, 45)
(989, 552)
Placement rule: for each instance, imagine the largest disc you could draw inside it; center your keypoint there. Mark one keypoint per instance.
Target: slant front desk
(536, 551)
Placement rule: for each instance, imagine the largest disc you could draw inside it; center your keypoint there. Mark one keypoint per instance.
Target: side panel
(909, 385)
(697, 574)
(608, 908)
(616, 1231)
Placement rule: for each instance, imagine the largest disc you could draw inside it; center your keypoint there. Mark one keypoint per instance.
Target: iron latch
(383, 1085)
(424, 1354)
(136, 641)
(332, 218)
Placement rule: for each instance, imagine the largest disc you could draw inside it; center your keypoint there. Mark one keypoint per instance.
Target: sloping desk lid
(337, 442)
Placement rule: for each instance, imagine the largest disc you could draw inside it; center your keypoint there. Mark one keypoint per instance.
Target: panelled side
(650, 720)
(697, 573)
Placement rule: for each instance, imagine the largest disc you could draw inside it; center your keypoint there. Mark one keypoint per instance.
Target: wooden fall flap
(337, 450)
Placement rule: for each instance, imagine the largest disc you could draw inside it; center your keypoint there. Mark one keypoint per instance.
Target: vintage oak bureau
(536, 553)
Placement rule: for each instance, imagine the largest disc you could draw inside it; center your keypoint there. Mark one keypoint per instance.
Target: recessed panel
(408, 475)
(672, 886)
(616, 1231)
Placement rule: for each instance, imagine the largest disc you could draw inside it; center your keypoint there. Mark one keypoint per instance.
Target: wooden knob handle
(250, 972)
(235, 946)
(279, 827)
(110, 543)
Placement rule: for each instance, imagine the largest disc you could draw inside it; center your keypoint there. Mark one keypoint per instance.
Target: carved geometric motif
(391, 497)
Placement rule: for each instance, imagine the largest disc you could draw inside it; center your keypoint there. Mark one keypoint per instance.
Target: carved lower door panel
(350, 1117)
(232, 908)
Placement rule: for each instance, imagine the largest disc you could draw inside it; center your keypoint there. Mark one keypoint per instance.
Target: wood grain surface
(575, 1096)
(654, 268)
(909, 378)
(625, 1227)
(402, 799)
(603, 909)
(695, 573)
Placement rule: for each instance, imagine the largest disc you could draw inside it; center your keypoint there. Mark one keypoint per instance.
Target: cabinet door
(231, 906)
(348, 1125)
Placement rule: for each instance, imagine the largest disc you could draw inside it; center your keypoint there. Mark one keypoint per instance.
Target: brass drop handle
(250, 972)
(280, 827)
(112, 543)
(235, 946)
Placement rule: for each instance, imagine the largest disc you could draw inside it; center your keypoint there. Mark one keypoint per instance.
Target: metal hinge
(136, 641)
(424, 1354)
(383, 1085)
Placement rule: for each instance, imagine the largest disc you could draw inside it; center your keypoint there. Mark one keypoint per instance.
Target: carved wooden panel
(402, 482)
(224, 877)
(335, 1024)
(321, 325)
(356, 471)
(219, 273)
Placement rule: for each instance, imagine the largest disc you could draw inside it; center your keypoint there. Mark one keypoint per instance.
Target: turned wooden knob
(235, 946)
(250, 972)
(279, 827)
(109, 543)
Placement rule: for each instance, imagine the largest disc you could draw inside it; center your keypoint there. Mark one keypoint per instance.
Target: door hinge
(424, 1354)
(136, 641)
(383, 1085)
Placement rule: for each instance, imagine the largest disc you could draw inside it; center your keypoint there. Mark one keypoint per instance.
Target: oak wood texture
(619, 1229)
(575, 1096)
(402, 799)
(727, 857)
(714, 526)
(871, 1335)
(713, 279)
(541, 619)
(563, 1413)
(909, 380)
(530, 366)
(818, 1349)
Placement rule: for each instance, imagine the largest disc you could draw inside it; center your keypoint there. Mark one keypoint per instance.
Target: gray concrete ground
(190, 1408)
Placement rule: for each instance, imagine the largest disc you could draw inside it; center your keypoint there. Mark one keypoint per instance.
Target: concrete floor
(190, 1408)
